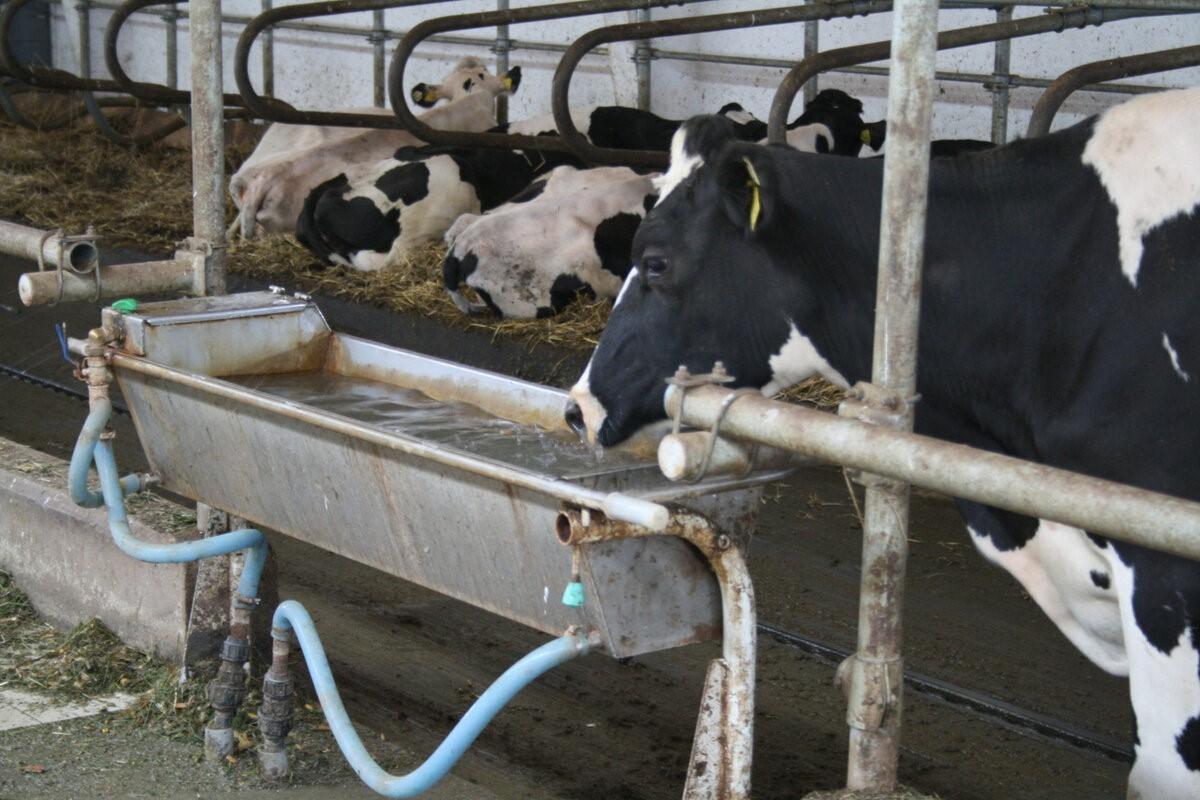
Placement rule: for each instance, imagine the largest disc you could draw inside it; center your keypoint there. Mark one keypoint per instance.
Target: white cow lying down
(567, 233)
(270, 186)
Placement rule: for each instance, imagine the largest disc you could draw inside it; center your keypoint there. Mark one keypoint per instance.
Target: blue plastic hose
(290, 616)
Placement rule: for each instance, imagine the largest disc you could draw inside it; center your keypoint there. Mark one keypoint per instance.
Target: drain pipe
(275, 715)
(227, 690)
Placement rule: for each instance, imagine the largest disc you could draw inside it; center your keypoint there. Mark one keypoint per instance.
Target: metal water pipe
(208, 147)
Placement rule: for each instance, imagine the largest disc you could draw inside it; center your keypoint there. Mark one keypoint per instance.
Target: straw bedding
(72, 178)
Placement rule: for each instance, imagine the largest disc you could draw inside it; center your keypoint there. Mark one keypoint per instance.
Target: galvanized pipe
(48, 248)
(268, 54)
(428, 28)
(643, 53)
(173, 276)
(1002, 67)
(560, 101)
(812, 46)
(1072, 80)
(208, 145)
(1052, 22)
(378, 40)
(501, 48)
(875, 685)
(170, 18)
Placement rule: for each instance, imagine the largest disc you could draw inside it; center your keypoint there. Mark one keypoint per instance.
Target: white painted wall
(326, 71)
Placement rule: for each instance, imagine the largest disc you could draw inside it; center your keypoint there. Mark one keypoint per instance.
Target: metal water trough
(464, 525)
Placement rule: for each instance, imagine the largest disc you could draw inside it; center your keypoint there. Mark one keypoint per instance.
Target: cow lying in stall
(270, 187)
(1057, 325)
(529, 258)
(353, 219)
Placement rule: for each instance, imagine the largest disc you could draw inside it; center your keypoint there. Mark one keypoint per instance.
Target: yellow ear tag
(865, 136)
(507, 81)
(431, 94)
(755, 199)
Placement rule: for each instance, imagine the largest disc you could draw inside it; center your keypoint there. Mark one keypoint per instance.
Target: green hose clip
(126, 305)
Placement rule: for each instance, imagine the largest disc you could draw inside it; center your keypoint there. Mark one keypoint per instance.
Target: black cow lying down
(372, 216)
(1058, 324)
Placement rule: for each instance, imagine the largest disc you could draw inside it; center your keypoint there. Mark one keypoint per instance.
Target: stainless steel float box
(469, 526)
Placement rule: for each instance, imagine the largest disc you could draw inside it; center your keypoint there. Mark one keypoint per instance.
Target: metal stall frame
(1084, 75)
(1051, 22)
(561, 87)
(276, 110)
(428, 28)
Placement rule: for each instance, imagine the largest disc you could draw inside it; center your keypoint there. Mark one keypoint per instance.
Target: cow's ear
(873, 134)
(424, 95)
(748, 187)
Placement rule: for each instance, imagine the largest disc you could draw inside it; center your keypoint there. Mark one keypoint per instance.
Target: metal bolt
(723, 542)
(718, 370)
(681, 374)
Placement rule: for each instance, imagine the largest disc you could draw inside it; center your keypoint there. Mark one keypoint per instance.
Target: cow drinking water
(1058, 325)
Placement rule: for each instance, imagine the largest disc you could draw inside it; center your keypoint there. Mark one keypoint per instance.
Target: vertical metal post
(501, 47)
(170, 18)
(643, 53)
(1000, 81)
(812, 46)
(378, 40)
(208, 145)
(268, 56)
(82, 9)
(874, 712)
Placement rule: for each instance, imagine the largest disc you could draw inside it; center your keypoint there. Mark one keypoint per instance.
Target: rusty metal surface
(208, 145)
(1097, 72)
(640, 31)
(469, 527)
(1052, 22)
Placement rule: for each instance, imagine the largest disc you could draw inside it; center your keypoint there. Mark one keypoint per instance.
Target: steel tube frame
(208, 145)
(560, 99)
(49, 77)
(1072, 80)
(275, 110)
(875, 688)
(1051, 22)
(500, 48)
(1001, 81)
(48, 247)
(431, 27)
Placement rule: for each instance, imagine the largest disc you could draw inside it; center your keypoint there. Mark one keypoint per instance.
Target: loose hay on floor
(72, 178)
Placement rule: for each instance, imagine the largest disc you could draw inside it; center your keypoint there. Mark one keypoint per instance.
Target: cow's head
(713, 279)
(468, 77)
(832, 123)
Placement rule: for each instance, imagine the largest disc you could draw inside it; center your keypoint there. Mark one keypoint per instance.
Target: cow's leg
(1066, 573)
(1160, 611)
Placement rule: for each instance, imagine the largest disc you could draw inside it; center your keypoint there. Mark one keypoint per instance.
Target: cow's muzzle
(574, 418)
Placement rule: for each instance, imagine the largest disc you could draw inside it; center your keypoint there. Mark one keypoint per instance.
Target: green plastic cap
(573, 595)
(125, 305)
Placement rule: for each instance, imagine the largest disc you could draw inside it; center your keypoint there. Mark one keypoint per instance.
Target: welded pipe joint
(872, 688)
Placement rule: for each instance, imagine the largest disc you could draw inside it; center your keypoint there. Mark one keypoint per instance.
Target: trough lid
(230, 306)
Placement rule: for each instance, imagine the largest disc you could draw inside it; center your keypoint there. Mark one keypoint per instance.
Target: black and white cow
(568, 232)
(1058, 324)
(470, 75)
(832, 123)
(370, 217)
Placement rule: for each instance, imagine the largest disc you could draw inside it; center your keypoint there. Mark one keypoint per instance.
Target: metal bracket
(860, 677)
(684, 380)
(875, 405)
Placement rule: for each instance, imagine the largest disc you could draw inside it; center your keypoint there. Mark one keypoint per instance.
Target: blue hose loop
(81, 458)
(291, 617)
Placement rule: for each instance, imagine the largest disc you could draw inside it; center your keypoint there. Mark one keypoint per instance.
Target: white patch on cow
(1055, 568)
(740, 117)
(629, 280)
(683, 164)
(594, 413)
(1165, 694)
(797, 360)
(805, 137)
(1174, 356)
(1145, 153)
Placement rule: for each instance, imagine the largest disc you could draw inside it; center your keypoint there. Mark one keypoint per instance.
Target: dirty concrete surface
(408, 661)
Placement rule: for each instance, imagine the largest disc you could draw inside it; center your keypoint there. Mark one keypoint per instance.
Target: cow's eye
(655, 266)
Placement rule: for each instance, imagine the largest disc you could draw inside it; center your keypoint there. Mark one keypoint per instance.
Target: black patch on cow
(467, 84)
(563, 291)
(414, 153)
(648, 202)
(1097, 540)
(1165, 595)
(630, 129)
(839, 112)
(952, 148)
(487, 301)
(530, 192)
(456, 270)
(407, 183)
(1187, 744)
(1101, 579)
(331, 225)
(728, 107)
(822, 144)
(1137, 739)
(614, 240)
(1008, 531)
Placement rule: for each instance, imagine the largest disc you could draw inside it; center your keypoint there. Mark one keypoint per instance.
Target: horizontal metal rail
(1052, 22)
(1071, 80)
(1138, 516)
(636, 31)
(428, 28)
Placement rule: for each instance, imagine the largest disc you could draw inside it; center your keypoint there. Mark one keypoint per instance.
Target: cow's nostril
(574, 418)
